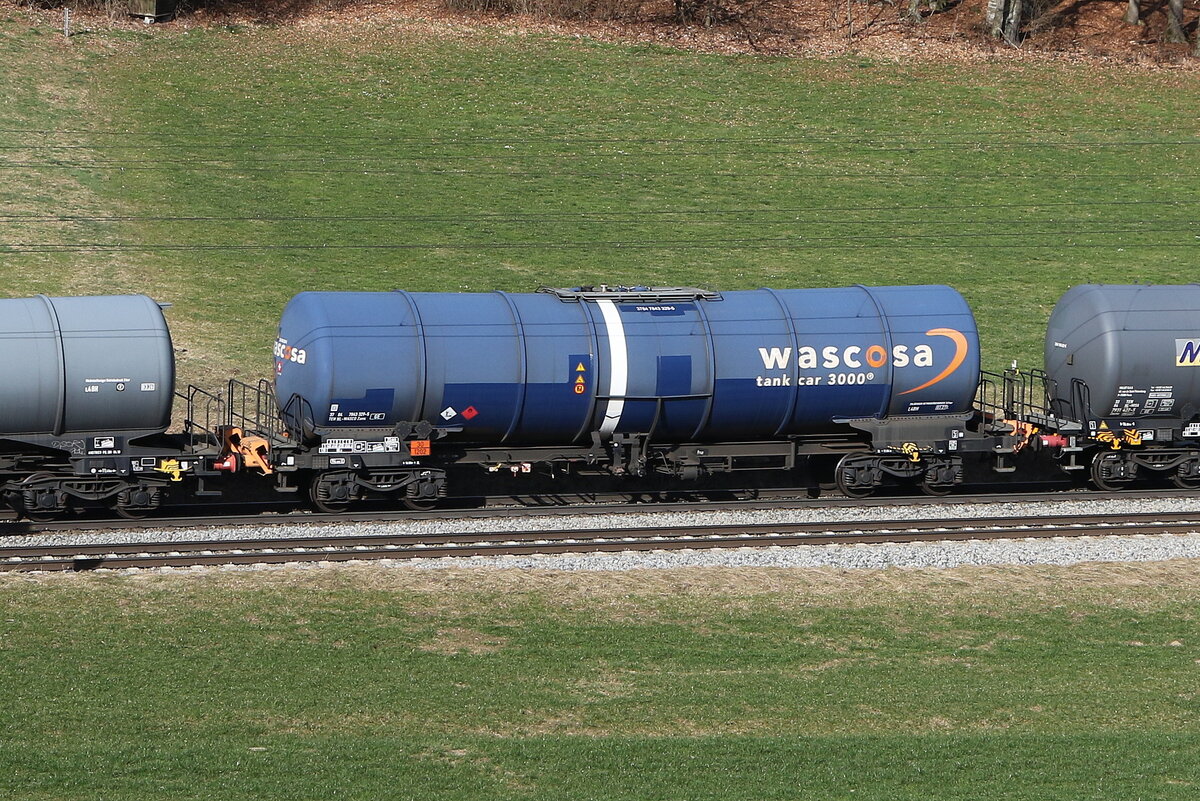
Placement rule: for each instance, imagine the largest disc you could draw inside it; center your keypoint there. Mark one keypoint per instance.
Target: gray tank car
(1124, 362)
(85, 366)
(87, 393)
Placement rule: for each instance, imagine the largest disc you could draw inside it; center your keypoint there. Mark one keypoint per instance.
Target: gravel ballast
(1051, 551)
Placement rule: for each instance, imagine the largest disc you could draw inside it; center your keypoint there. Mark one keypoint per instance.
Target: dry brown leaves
(1073, 33)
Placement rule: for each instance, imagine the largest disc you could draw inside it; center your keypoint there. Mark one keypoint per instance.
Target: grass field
(243, 165)
(225, 169)
(365, 683)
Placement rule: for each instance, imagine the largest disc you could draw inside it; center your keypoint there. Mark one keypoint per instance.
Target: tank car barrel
(677, 364)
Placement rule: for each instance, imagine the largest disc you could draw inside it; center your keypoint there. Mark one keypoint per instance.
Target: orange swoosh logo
(960, 354)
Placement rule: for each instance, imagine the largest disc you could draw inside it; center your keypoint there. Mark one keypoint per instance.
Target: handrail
(204, 413)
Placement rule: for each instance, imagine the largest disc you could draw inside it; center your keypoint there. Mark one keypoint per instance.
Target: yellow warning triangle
(580, 380)
(581, 368)
(1103, 426)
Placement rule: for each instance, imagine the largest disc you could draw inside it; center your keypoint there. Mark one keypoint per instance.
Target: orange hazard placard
(418, 447)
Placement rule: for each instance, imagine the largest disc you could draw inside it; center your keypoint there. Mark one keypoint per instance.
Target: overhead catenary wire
(787, 243)
(612, 174)
(525, 136)
(603, 216)
(1120, 246)
(926, 145)
(697, 219)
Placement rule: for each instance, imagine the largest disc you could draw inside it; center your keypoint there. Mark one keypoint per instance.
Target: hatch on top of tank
(636, 294)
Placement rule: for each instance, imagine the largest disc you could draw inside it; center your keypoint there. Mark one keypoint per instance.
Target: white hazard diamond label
(448, 412)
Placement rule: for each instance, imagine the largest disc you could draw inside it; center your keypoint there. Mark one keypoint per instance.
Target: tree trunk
(995, 18)
(1133, 12)
(1012, 21)
(914, 11)
(1175, 21)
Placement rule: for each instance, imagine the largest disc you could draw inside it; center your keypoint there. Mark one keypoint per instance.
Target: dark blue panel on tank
(674, 375)
(829, 403)
(679, 418)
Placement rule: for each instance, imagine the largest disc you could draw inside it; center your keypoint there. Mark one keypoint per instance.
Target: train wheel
(131, 514)
(1111, 473)
(331, 493)
(419, 504)
(36, 503)
(940, 476)
(1184, 478)
(937, 490)
(849, 476)
(136, 503)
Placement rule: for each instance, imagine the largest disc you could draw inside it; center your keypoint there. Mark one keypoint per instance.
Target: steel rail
(409, 546)
(11, 526)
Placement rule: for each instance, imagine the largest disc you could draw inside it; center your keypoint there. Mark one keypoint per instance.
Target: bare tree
(1004, 19)
(995, 17)
(935, 7)
(1175, 21)
(1133, 12)
(1012, 22)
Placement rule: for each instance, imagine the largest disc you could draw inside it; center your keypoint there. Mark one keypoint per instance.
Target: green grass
(980, 683)
(477, 161)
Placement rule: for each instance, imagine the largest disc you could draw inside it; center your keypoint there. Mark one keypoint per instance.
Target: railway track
(10, 525)
(423, 546)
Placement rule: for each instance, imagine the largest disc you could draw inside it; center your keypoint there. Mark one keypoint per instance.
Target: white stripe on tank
(618, 366)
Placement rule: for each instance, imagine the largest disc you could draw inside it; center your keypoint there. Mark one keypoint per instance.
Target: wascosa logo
(876, 356)
(285, 352)
(1187, 353)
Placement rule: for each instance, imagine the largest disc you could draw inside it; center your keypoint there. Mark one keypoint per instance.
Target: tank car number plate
(387, 445)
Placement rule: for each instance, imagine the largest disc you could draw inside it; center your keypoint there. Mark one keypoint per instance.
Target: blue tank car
(625, 381)
(680, 365)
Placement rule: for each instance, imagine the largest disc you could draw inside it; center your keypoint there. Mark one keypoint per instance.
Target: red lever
(229, 463)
